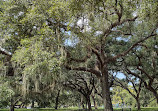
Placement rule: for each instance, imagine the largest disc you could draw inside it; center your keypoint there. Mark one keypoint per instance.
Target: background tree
(147, 99)
(136, 85)
(144, 65)
(83, 83)
(122, 98)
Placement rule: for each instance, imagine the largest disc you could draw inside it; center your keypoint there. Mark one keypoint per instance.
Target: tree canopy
(42, 39)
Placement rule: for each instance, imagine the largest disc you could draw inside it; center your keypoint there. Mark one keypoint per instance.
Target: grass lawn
(76, 109)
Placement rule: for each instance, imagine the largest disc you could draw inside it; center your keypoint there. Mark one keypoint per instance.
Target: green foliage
(5, 93)
(121, 96)
(37, 63)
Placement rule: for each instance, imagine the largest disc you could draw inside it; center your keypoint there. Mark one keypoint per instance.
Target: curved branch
(97, 73)
(133, 46)
(95, 51)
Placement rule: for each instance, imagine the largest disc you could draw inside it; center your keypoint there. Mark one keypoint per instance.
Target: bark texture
(106, 92)
(89, 103)
(11, 105)
(57, 100)
(138, 104)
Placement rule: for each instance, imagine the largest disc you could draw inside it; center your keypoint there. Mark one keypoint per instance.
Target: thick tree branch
(95, 51)
(134, 74)
(97, 73)
(73, 86)
(81, 84)
(144, 72)
(78, 60)
(84, 81)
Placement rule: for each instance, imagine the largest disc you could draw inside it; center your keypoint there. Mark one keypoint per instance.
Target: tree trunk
(95, 105)
(82, 102)
(12, 108)
(11, 105)
(138, 104)
(83, 107)
(106, 91)
(32, 106)
(157, 98)
(57, 100)
(89, 103)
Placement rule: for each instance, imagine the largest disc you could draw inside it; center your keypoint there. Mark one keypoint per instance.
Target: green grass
(76, 109)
